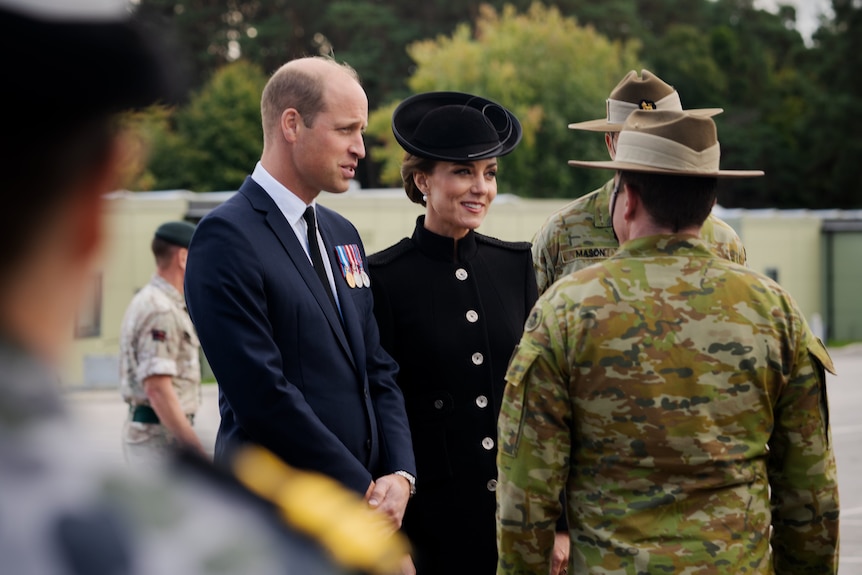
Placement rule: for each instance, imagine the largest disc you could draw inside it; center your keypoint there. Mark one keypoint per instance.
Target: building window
(88, 322)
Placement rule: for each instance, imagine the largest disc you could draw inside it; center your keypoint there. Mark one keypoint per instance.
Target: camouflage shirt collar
(602, 217)
(169, 290)
(664, 245)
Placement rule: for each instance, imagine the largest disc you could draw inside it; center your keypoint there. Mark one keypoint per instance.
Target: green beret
(177, 233)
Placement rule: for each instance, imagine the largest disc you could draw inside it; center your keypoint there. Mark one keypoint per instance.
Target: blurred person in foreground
(451, 305)
(581, 233)
(160, 371)
(677, 397)
(63, 507)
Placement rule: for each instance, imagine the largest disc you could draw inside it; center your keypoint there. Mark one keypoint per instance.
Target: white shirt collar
(288, 203)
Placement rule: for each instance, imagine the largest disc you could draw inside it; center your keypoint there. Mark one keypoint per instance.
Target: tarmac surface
(102, 413)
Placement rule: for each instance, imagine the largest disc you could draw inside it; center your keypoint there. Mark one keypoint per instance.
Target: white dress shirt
(292, 208)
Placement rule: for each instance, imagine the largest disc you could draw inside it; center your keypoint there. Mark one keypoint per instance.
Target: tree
(212, 143)
(546, 68)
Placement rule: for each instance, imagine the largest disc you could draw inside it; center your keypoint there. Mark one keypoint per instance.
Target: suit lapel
(261, 201)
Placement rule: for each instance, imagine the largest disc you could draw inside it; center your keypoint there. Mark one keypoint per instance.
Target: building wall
(128, 264)
(787, 247)
(786, 243)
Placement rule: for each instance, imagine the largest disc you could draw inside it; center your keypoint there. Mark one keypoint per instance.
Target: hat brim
(602, 124)
(408, 114)
(630, 167)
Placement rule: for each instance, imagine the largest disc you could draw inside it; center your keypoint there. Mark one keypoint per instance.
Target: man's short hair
(163, 251)
(294, 87)
(673, 202)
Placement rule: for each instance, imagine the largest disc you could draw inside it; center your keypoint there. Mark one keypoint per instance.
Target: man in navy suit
(298, 362)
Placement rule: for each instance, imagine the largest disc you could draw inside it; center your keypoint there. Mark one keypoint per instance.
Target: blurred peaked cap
(454, 126)
(74, 59)
(177, 233)
(69, 10)
(644, 91)
(668, 142)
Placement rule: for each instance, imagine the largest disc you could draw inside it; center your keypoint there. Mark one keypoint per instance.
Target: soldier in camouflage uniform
(678, 398)
(580, 233)
(160, 373)
(63, 508)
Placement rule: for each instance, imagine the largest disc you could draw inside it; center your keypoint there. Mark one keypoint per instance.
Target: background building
(814, 254)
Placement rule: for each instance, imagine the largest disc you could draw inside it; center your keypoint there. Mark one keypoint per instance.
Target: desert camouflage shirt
(581, 234)
(680, 401)
(157, 338)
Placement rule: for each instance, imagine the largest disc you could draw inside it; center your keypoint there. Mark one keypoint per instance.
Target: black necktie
(314, 250)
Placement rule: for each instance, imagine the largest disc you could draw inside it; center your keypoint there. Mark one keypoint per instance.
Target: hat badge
(647, 105)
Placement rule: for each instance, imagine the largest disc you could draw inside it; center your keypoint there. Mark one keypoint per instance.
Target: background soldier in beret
(160, 374)
(677, 397)
(581, 233)
(63, 508)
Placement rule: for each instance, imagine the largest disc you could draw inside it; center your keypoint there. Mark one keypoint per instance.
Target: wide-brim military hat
(644, 92)
(668, 142)
(74, 59)
(455, 126)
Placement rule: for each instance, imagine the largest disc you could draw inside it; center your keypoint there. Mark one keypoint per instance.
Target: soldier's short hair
(673, 202)
(163, 251)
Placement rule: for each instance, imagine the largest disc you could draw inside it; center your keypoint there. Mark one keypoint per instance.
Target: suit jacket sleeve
(388, 399)
(228, 303)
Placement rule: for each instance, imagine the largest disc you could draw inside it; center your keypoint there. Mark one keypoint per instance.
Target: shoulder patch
(391, 253)
(514, 246)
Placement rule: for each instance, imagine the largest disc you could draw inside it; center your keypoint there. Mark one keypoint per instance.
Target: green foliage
(217, 137)
(546, 68)
(790, 109)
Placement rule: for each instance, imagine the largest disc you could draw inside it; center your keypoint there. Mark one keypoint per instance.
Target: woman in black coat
(451, 305)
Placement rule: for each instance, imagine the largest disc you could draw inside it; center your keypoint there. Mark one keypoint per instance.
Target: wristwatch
(409, 477)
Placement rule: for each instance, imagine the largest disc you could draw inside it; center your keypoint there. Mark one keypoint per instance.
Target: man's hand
(560, 556)
(389, 495)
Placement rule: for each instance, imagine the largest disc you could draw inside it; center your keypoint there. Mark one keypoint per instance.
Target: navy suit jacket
(318, 392)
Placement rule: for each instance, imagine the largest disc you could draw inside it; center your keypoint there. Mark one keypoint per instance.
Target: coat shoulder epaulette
(337, 519)
(513, 246)
(391, 253)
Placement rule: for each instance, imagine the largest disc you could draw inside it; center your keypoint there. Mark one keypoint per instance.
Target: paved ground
(102, 414)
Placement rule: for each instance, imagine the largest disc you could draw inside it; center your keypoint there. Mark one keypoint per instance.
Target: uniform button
(472, 316)
(368, 444)
(478, 358)
(492, 485)
(461, 274)
(438, 404)
(488, 443)
(482, 401)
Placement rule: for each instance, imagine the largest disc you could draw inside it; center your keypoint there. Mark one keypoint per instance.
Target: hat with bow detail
(455, 127)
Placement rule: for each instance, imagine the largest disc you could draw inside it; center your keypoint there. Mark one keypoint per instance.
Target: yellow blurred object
(355, 535)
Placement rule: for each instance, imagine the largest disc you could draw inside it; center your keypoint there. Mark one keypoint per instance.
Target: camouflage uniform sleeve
(534, 446)
(802, 472)
(157, 342)
(723, 240)
(545, 250)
